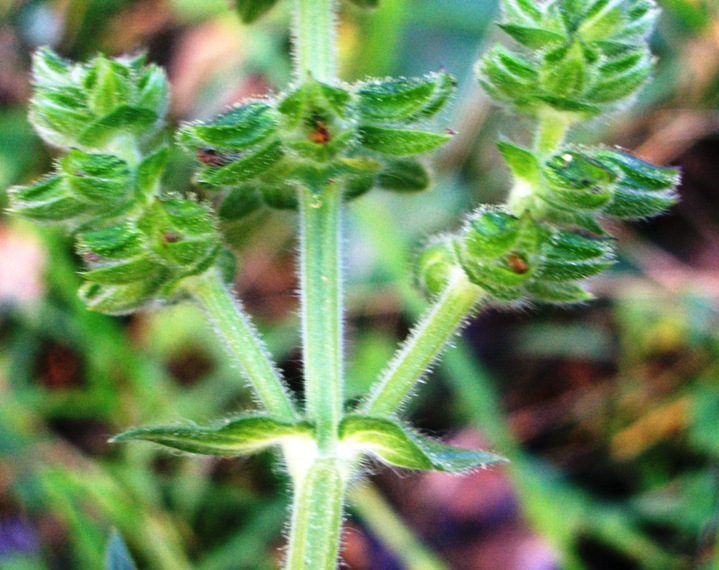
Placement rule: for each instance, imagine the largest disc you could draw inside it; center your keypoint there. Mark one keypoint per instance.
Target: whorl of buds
(137, 245)
(579, 57)
(579, 186)
(90, 106)
(355, 136)
(516, 259)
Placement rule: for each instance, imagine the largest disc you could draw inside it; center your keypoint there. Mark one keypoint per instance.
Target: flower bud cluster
(317, 134)
(578, 57)
(137, 244)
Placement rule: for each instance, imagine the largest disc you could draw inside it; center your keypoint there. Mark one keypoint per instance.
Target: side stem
(232, 324)
(321, 287)
(423, 346)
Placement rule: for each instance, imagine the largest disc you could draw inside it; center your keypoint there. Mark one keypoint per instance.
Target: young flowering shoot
(572, 57)
(517, 259)
(399, 446)
(240, 436)
(137, 262)
(357, 137)
(252, 10)
(96, 105)
(435, 264)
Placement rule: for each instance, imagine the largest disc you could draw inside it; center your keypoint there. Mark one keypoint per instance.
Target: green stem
(321, 287)
(382, 520)
(233, 325)
(423, 346)
(317, 509)
(551, 130)
(314, 35)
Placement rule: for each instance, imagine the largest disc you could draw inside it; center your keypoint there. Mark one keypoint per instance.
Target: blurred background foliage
(609, 411)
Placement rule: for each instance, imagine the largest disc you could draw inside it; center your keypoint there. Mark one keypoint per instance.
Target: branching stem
(228, 317)
(423, 346)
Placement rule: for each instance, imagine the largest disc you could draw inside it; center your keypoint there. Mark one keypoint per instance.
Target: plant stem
(321, 286)
(551, 130)
(233, 325)
(317, 509)
(424, 345)
(314, 39)
(382, 520)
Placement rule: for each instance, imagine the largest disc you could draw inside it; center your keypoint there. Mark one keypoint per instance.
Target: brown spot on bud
(169, 237)
(91, 257)
(211, 157)
(320, 135)
(517, 264)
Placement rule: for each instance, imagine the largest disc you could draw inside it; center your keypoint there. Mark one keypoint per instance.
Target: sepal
(252, 10)
(241, 436)
(396, 445)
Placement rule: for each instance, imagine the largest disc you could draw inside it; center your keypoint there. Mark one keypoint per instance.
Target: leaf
(151, 170)
(124, 119)
(240, 202)
(404, 175)
(237, 129)
(49, 69)
(117, 556)
(628, 204)
(243, 169)
(124, 272)
(241, 436)
(252, 10)
(109, 85)
(400, 142)
(404, 100)
(534, 38)
(558, 292)
(97, 178)
(397, 445)
(522, 162)
(490, 233)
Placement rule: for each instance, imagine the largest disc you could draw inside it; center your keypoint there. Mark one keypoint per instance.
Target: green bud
(577, 181)
(435, 265)
(100, 179)
(491, 233)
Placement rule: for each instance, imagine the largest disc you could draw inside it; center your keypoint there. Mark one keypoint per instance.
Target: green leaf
(638, 173)
(521, 12)
(97, 178)
(534, 38)
(400, 142)
(238, 129)
(117, 556)
(124, 119)
(49, 69)
(558, 292)
(404, 100)
(490, 233)
(246, 168)
(119, 299)
(109, 85)
(124, 272)
(397, 445)
(522, 162)
(252, 10)
(404, 175)
(559, 270)
(634, 205)
(151, 170)
(240, 202)
(241, 436)
(153, 91)
(120, 241)
(574, 247)
(45, 201)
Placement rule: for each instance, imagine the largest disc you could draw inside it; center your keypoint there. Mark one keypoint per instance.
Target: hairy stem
(229, 319)
(551, 130)
(317, 509)
(423, 346)
(314, 39)
(321, 285)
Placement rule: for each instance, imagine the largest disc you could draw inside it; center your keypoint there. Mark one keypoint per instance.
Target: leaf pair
(389, 441)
